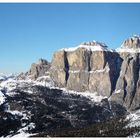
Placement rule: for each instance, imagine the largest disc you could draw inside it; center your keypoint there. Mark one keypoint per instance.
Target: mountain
(128, 83)
(88, 85)
(78, 67)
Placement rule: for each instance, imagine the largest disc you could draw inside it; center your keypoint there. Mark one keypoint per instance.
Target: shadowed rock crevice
(124, 88)
(88, 60)
(114, 62)
(66, 67)
(105, 59)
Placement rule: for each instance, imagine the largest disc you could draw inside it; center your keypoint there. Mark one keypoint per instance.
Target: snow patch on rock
(90, 46)
(2, 98)
(92, 96)
(134, 119)
(128, 50)
(22, 133)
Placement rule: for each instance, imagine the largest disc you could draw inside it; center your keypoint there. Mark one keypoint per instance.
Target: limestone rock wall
(85, 70)
(127, 87)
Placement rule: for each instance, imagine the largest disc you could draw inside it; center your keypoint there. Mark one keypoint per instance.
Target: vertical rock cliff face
(127, 88)
(93, 67)
(78, 64)
(88, 67)
(58, 70)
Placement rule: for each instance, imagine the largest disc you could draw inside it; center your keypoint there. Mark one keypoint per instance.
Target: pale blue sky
(32, 31)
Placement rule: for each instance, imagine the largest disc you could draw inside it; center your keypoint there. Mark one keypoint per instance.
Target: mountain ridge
(81, 86)
(81, 69)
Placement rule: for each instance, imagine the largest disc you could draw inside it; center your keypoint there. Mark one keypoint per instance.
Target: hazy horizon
(33, 30)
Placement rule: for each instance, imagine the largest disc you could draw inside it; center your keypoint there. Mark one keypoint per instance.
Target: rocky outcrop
(132, 42)
(38, 69)
(21, 76)
(127, 88)
(83, 67)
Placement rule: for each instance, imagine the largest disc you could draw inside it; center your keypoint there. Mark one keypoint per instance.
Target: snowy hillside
(22, 102)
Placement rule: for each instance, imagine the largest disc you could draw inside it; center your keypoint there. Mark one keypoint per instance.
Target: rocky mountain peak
(94, 43)
(42, 62)
(38, 69)
(132, 42)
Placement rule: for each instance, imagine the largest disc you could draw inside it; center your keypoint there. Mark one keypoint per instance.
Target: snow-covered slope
(37, 106)
(135, 118)
(11, 83)
(4, 77)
